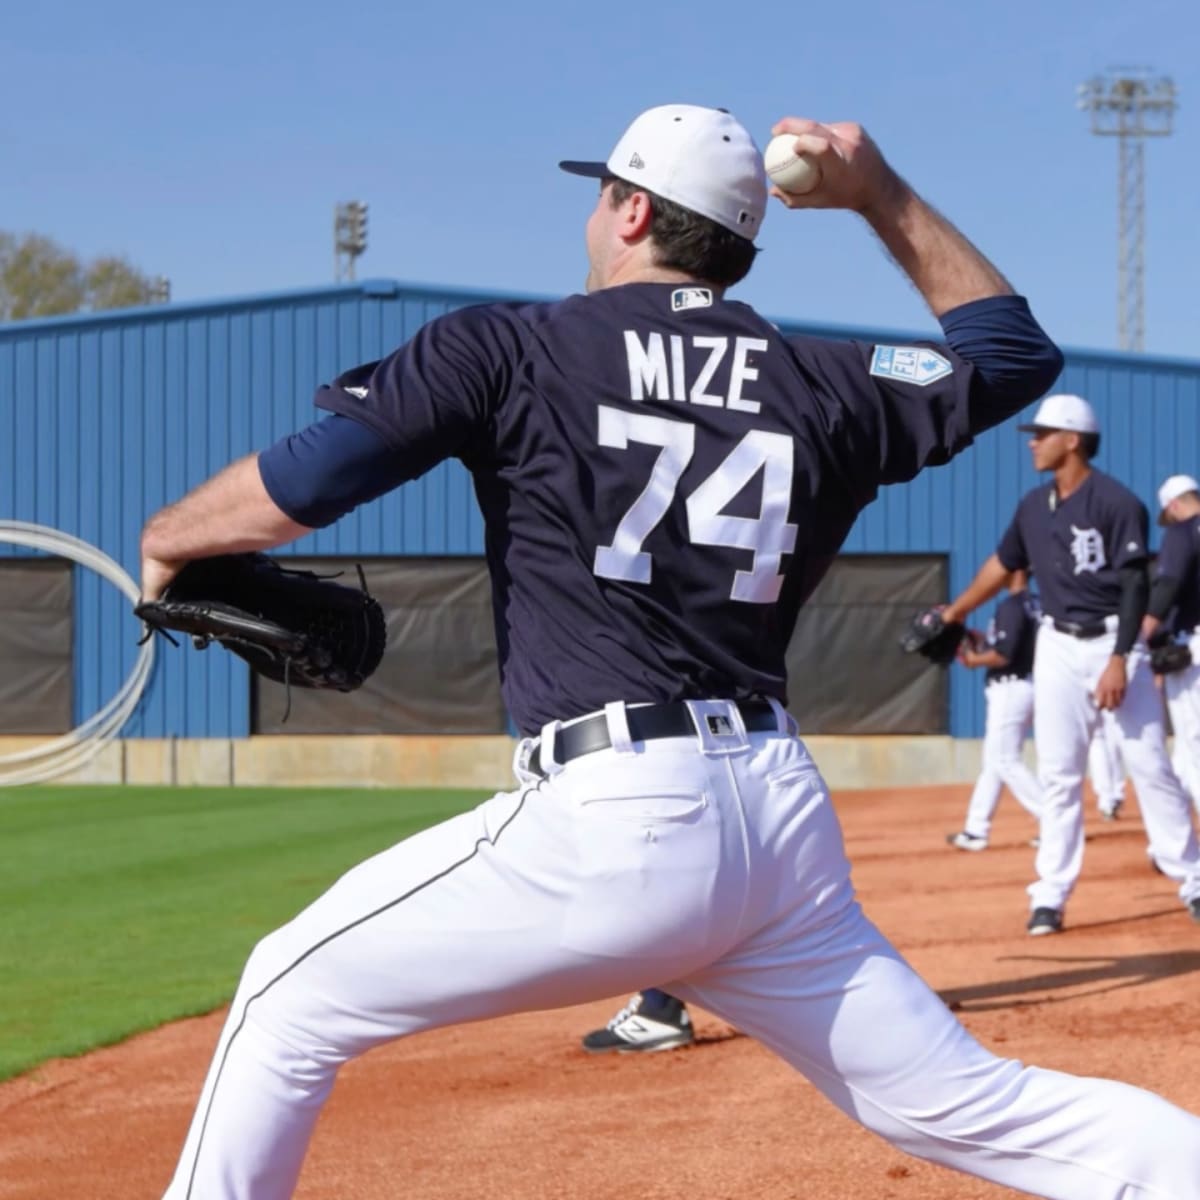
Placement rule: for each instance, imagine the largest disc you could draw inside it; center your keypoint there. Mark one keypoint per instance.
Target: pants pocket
(647, 866)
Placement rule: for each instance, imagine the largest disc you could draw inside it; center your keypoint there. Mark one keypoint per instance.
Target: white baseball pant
(712, 863)
(1104, 764)
(1009, 718)
(1066, 671)
(1182, 690)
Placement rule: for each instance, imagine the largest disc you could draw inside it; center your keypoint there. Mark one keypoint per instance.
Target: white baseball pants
(1104, 763)
(1009, 718)
(713, 864)
(1066, 671)
(1182, 689)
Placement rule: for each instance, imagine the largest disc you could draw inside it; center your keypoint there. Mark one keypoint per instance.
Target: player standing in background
(1084, 536)
(664, 478)
(1007, 654)
(1008, 692)
(1174, 612)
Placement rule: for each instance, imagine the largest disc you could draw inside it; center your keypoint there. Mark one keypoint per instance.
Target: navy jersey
(1076, 547)
(664, 478)
(1179, 558)
(1012, 632)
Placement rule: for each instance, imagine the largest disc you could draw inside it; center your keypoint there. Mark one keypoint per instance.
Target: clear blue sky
(209, 142)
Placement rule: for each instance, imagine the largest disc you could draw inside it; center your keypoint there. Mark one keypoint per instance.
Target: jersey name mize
(686, 369)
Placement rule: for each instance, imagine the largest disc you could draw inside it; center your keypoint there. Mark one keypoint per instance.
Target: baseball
(787, 170)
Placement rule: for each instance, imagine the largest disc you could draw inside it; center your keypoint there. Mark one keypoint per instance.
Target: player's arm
(227, 514)
(1164, 591)
(990, 658)
(392, 421)
(1176, 562)
(304, 482)
(1135, 591)
(988, 581)
(1129, 536)
(944, 266)
(1007, 359)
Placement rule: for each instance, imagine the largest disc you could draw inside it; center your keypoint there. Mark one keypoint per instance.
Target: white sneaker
(966, 841)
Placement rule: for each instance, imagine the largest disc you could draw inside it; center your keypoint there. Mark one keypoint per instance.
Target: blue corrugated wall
(104, 419)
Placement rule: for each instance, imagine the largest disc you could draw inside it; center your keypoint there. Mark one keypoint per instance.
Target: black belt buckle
(1084, 632)
(646, 723)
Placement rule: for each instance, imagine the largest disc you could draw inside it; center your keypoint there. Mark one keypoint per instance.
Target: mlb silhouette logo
(719, 725)
(691, 297)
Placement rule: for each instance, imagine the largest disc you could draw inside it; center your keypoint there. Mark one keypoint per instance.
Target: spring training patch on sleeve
(910, 364)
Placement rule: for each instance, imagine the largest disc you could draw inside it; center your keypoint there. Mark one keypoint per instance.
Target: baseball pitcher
(664, 478)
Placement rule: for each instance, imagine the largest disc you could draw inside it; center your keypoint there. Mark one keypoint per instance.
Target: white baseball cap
(700, 158)
(1063, 411)
(1172, 489)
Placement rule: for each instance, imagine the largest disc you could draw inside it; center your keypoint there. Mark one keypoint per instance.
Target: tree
(40, 278)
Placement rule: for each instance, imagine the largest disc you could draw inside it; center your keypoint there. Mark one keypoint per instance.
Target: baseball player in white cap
(1084, 535)
(1174, 613)
(668, 825)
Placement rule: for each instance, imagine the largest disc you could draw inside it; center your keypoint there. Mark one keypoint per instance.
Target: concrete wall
(468, 762)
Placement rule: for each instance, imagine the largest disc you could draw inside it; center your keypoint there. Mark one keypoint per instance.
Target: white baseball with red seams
(793, 172)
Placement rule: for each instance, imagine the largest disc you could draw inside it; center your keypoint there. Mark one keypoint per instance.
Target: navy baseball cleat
(642, 1025)
(1045, 920)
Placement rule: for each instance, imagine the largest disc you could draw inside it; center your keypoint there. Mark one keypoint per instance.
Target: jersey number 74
(768, 536)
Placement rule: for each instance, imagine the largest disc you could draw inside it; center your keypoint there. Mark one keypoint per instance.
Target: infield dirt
(513, 1108)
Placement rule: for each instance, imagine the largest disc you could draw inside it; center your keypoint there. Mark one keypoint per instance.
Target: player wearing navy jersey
(1174, 609)
(664, 478)
(1085, 537)
(1007, 656)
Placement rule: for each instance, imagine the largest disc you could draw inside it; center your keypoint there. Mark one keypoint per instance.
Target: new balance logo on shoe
(642, 1028)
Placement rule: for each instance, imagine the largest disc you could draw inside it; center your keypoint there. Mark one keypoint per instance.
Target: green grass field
(124, 908)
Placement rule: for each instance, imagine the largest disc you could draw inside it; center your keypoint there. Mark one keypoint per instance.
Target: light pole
(349, 237)
(1130, 104)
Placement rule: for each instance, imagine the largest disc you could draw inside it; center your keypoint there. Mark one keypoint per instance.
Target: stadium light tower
(1130, 104)
(349, 237)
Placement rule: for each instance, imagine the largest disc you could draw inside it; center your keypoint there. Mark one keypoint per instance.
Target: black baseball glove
(291, 626)
(931, 635)
(1167, 656)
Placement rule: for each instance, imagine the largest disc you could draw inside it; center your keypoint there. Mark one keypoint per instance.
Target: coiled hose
(67, 753)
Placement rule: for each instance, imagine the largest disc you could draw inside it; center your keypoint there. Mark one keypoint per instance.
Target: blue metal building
(105, 418)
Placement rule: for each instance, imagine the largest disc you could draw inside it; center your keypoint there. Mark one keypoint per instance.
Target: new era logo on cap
(700, 158)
